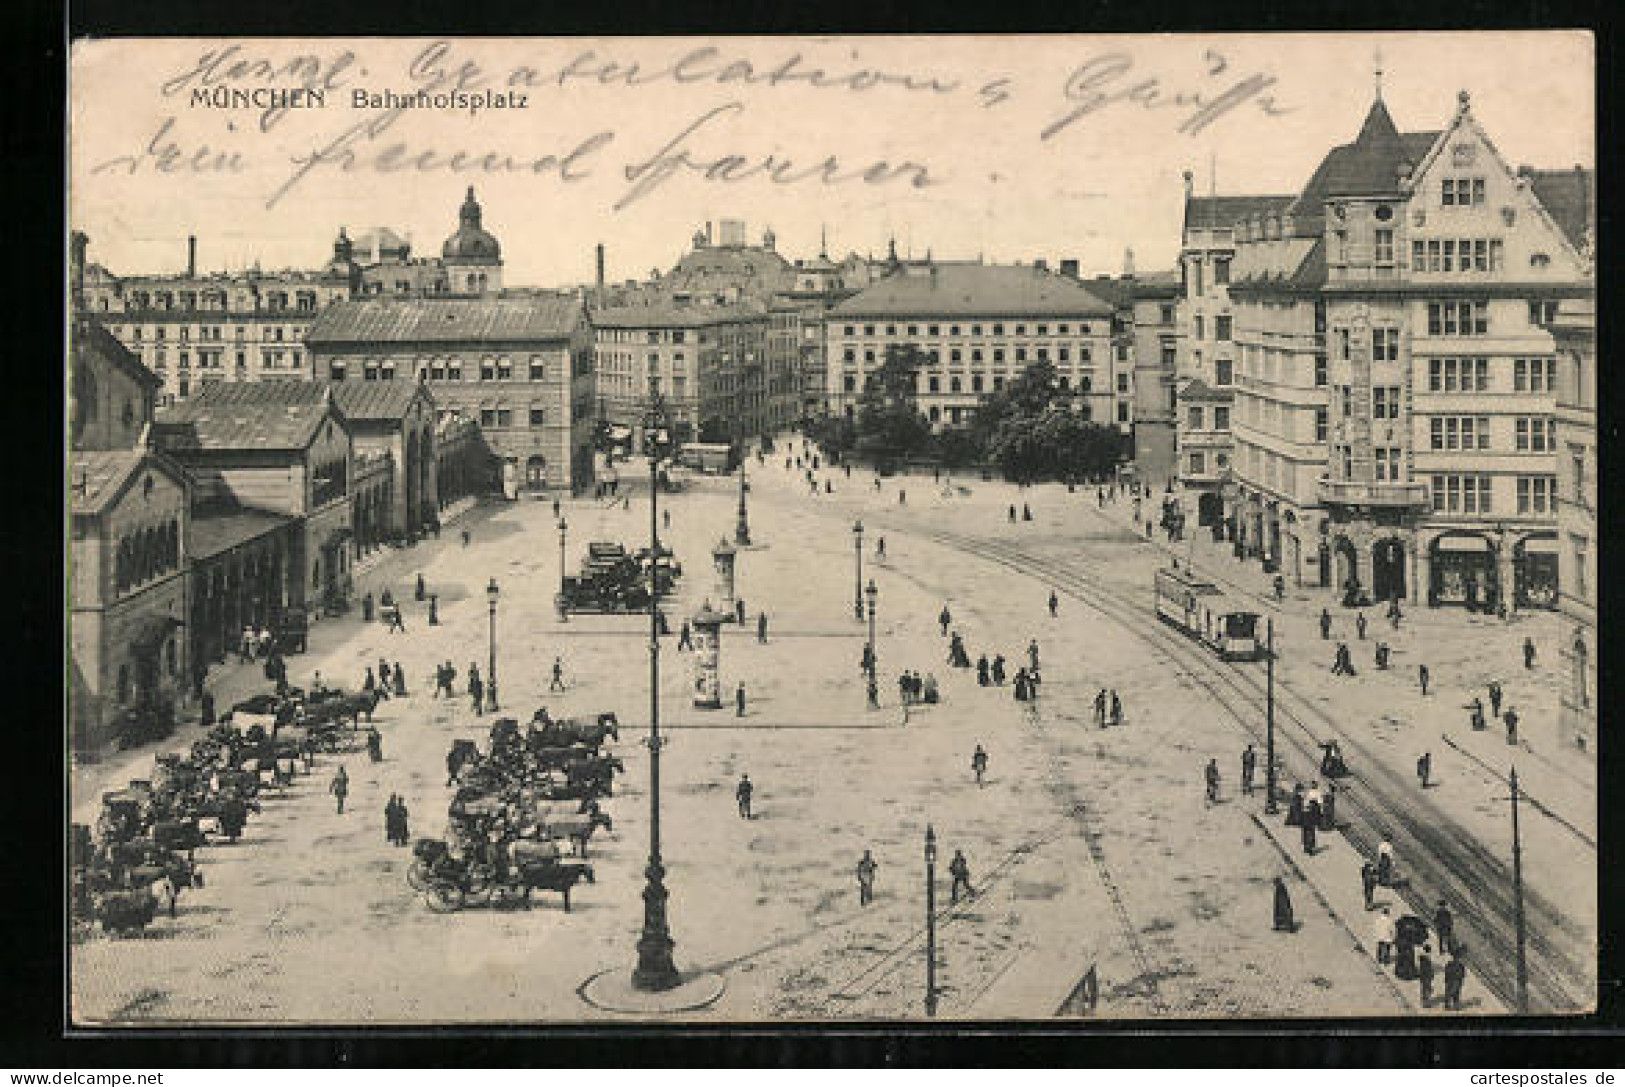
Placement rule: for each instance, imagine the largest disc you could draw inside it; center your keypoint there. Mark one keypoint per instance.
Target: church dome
(471, 244)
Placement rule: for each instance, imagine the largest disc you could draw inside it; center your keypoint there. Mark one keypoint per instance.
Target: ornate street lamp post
(874, 662)
(742, 524)
(564, 612)
(930, 921)
(655, 971)
(857, 586)
(491, 669)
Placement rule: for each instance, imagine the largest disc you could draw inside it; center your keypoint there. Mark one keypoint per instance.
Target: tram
(1205, 612)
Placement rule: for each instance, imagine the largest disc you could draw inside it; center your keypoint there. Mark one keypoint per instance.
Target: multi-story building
(978, 325)
(1206, 369)
(1145, 341)
(1395, 431)
(522, 366)
(393, 420)
(1575, 331)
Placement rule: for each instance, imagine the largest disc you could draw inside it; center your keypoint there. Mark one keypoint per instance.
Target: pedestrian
(555, 509)
(206, 709)
(434, 609)
(366, 608)
(1021, 690)
(1280, 588)
(685, 638)
(1475, 714)
(400, 680)
(1328, 808)
(866, 878)
(557, 682)
(1424, 768)
(959, 868)
(1325, 625)
(1511, 719)
(943, 619)
(1385, 863)
(403, 832)
(1359, 625)
(739, 611)
(1026, 512)
(1012, 515)
(1032, 654)
(1212, 776)
(1394, 613)
(1381, 658)
(1455, 973)
(1283, 908)
(1424, 974)
(1382, 936)
(340, 788)
(742, 795)
(1100, 707)
(385, 676)
(998, 670)
(1368, 883)
(1528, 653)
(1311, 824)
(665, 518)
(1444, 928)
(739, 700)
(422, 590)
(375, 744)
(1054, 604)
(1248, 758)
(902, 688)
(981, 671)
(929, 689)
(476, 689)
(466, 537)
(1294, 807)
(396, 621)
(761, 628)
(978, 764)
(1422, 676)
(1117, 708)
(391, 826)
(1495, 698)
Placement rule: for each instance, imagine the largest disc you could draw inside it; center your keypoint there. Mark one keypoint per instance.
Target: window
(1462, 191)
(1198, 464)
(955, 385)
(1193, 418)
(998, 381)
(1345, 395)
(1461, 494)
(1535, 434)
(454, 369)
(1536, 375)
(1385, 345)
(1322, 424)
(1384, 246)
(851, 383)
(1457, 318)
(1541, 311)
(998, 354)
(1341, 335)
(1221, 418)
(976, 383)
(1166, 314)
(538, 368)
(504, 369)
(335, 371)
(1223, 371)
(1170, 356)
(1385, 402)
(1199, 326)
(1122, 411)
(1221, 273)
(1320, 371)
(934, 330)
(1388, 464)
(1222, 326)
(1537, 494)
(1021, 354)
(934, 383)
(538, 417)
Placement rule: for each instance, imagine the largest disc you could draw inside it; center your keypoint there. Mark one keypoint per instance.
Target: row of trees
(1028, 429)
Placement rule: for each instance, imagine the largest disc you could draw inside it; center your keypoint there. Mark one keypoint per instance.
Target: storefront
(1462, 572)
(1534, 571)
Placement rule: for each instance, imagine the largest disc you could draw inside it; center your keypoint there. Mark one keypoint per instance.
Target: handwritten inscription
(1100, 83)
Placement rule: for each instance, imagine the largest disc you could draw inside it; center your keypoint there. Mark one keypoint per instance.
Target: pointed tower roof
(1373, 165)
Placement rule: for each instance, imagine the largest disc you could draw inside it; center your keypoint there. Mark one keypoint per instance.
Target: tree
(889, 423)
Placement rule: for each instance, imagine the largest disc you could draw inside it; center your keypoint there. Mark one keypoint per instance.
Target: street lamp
(742, 525)
(655, 971)
(930, 921)
(491, 593)
(857, 586)
(564, 612)
(871, 592)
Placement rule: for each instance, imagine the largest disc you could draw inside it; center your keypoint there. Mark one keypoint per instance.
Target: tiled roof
(277, 415)
(1370, 166)
(447, 320)
(215, 531)
(90, 338)
(1570, 198)
(1222, 212)
(666, 314)
(975, 290)
(98, 475)
(372, 401)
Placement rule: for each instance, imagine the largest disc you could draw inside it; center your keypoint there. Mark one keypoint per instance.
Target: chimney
(1041, 264)
(1190, 184)
(600, 273)
(1069, 267)
(77, 245)
(191, 256)
(1128, 262)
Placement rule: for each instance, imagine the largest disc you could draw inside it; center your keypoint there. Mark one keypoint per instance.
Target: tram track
(1442, 861)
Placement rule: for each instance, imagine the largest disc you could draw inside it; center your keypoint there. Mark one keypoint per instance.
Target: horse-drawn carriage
(499, 873)
(614, 582)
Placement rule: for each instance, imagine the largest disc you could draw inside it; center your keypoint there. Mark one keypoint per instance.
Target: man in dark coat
(739, 700)
(685, 638)
(866, 878)
(1444, 927)
(1359, 625)
(1528, 653)
(1424, 768)
(1424, 974)
(1422, 676)
(943, 619)
(400, 681)
(1054, 604)
(978, 764)
(981, 671)
(1294, 808)
(1325, 625)
(340, 788)
(959, 868)
(1211, 776)
(1248, 759)
(1117, 708)
(1283, 908)
(1511, 718)
(1368, 883)
(1455, 973)
(1311, 820)
(1495, 698)
(742, 795)
(997, 670)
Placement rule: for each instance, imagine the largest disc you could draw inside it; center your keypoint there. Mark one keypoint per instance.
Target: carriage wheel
(442, 898)
(416, 877)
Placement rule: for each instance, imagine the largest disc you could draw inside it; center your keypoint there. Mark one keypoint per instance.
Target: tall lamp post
(655, 971)
(1517, 902)
(742, 524)
(491, 669)
(874, 662)
(564, 527)
(857, 586)
(930, 921)
(1269, 719)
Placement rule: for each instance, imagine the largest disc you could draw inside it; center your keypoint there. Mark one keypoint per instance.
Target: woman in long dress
(1283, 908)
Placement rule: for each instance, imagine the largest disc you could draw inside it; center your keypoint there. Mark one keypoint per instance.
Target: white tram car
(1205, 612)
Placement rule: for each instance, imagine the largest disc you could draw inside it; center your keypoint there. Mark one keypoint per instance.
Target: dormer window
(1539, 260)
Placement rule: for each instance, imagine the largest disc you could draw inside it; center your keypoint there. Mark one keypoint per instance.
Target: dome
(471, 244)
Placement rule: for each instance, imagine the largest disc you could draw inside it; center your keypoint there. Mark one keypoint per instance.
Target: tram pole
(1517, 902)
(1270, 807)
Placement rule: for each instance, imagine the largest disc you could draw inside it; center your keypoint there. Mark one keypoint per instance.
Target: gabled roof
(90, 338)
(271, 415)
(975, 290)
(377, 401)
(99, 476)
(1370, 166)
(1197, 389)
(1570, 198)
(1222, 212)
(525, 319)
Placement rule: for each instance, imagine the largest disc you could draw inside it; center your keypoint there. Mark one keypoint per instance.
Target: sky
(1013, 148)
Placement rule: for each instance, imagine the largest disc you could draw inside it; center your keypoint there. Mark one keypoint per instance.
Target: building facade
(522, 367)
(394, 421)
(1575, 331)
(1395, 429)
(979, 325)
